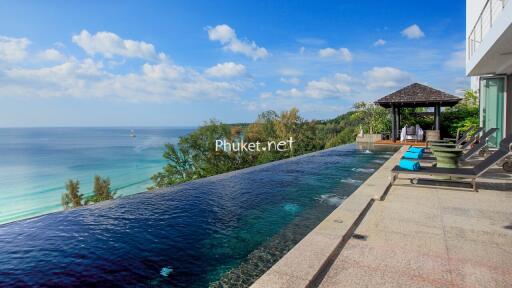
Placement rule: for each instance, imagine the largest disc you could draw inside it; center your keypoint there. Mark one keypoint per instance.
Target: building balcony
(488, 43)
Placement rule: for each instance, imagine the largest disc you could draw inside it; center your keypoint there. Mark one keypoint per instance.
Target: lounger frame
(464, 173)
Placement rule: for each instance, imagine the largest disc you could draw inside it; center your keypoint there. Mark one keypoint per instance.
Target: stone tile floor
(441, 235)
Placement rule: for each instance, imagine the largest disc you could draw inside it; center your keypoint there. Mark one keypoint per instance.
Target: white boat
(132, 133)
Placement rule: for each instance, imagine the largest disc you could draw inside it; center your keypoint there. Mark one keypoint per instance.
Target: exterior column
(398, 121)
(437, 116)
(393, 124)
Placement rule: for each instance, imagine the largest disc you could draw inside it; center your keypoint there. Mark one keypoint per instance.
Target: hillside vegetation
(195, 156)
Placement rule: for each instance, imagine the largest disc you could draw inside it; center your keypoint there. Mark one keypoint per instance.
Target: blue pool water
(35, 163)
(224, 230)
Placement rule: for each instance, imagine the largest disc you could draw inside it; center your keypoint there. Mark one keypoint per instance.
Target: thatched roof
(418, 95)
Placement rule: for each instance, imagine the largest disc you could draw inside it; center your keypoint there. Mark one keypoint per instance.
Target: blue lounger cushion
(409, 165)
(413, 155)
(416, 150)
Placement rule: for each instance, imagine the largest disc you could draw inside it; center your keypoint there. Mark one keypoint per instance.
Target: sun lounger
(471, 152)
(472, 139)
(457, 141)
(464, 173)
(469, 141)
(463, 136)
(482, 142)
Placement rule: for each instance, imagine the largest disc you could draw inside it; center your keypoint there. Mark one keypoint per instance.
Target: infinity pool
(225, 230)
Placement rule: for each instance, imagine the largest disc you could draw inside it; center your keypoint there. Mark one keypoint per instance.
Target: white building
(489, 59)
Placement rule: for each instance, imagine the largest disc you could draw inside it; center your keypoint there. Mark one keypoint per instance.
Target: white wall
(475, 83)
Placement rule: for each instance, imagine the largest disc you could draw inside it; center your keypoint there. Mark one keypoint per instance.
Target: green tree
(206, 159)
(101, 191)
(263, 130)
(72, 198)
(180, 167)
(288, 126)
(461, 116)
(195, 156)
(374, 118)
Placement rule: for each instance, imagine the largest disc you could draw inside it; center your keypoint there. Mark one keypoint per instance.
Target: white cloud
(163, 71)
(91, 78)
(341, 53)
(265, 95)
(327, 52)
(87, 79)
(337, 86)
(334, 87)
(304, 105)
(459, 92)
(228, 69)
(228, 38)
(73, 68)
(13, 49)
(386, 77)
(290, 72)
(457, 60)
(290, 80)
(59, 44)
(413, 32)
(109, 45)
(379, 42)
(51, 55)
(461, 84)
(294, 92)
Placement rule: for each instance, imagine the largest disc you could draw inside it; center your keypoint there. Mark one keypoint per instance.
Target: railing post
(469, 47)
(481, 29)
(490, 13)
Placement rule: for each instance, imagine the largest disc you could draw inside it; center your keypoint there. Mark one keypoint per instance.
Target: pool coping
(306, 264)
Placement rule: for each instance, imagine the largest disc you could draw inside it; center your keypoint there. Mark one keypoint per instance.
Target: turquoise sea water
(36, 162)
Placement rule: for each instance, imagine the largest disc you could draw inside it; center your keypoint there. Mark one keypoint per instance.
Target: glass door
(492, 100)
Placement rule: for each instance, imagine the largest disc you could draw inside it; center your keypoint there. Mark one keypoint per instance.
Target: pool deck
(407, 236)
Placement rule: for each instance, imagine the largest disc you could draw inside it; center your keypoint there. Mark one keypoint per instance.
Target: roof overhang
(417, 104)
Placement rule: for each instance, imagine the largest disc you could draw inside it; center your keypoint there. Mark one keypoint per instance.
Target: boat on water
(132, 134)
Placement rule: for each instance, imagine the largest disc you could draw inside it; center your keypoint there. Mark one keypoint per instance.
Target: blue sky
(179, 63)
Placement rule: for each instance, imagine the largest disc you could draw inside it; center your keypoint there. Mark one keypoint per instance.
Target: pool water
(225, 230)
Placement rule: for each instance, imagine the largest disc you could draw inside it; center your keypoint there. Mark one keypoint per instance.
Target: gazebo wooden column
(393, 123)
(437, 116)
(398, 124)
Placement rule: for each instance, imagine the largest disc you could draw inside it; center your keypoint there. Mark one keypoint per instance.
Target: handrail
(490, 12)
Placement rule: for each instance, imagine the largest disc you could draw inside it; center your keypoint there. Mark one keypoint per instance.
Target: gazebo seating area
(414, 133)
(414, 96)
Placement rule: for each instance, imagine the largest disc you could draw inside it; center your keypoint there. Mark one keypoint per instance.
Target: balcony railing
(491, 11)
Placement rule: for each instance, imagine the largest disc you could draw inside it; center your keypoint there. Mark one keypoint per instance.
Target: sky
(180, 63)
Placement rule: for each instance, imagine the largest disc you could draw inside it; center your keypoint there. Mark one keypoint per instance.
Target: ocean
(35, 163)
